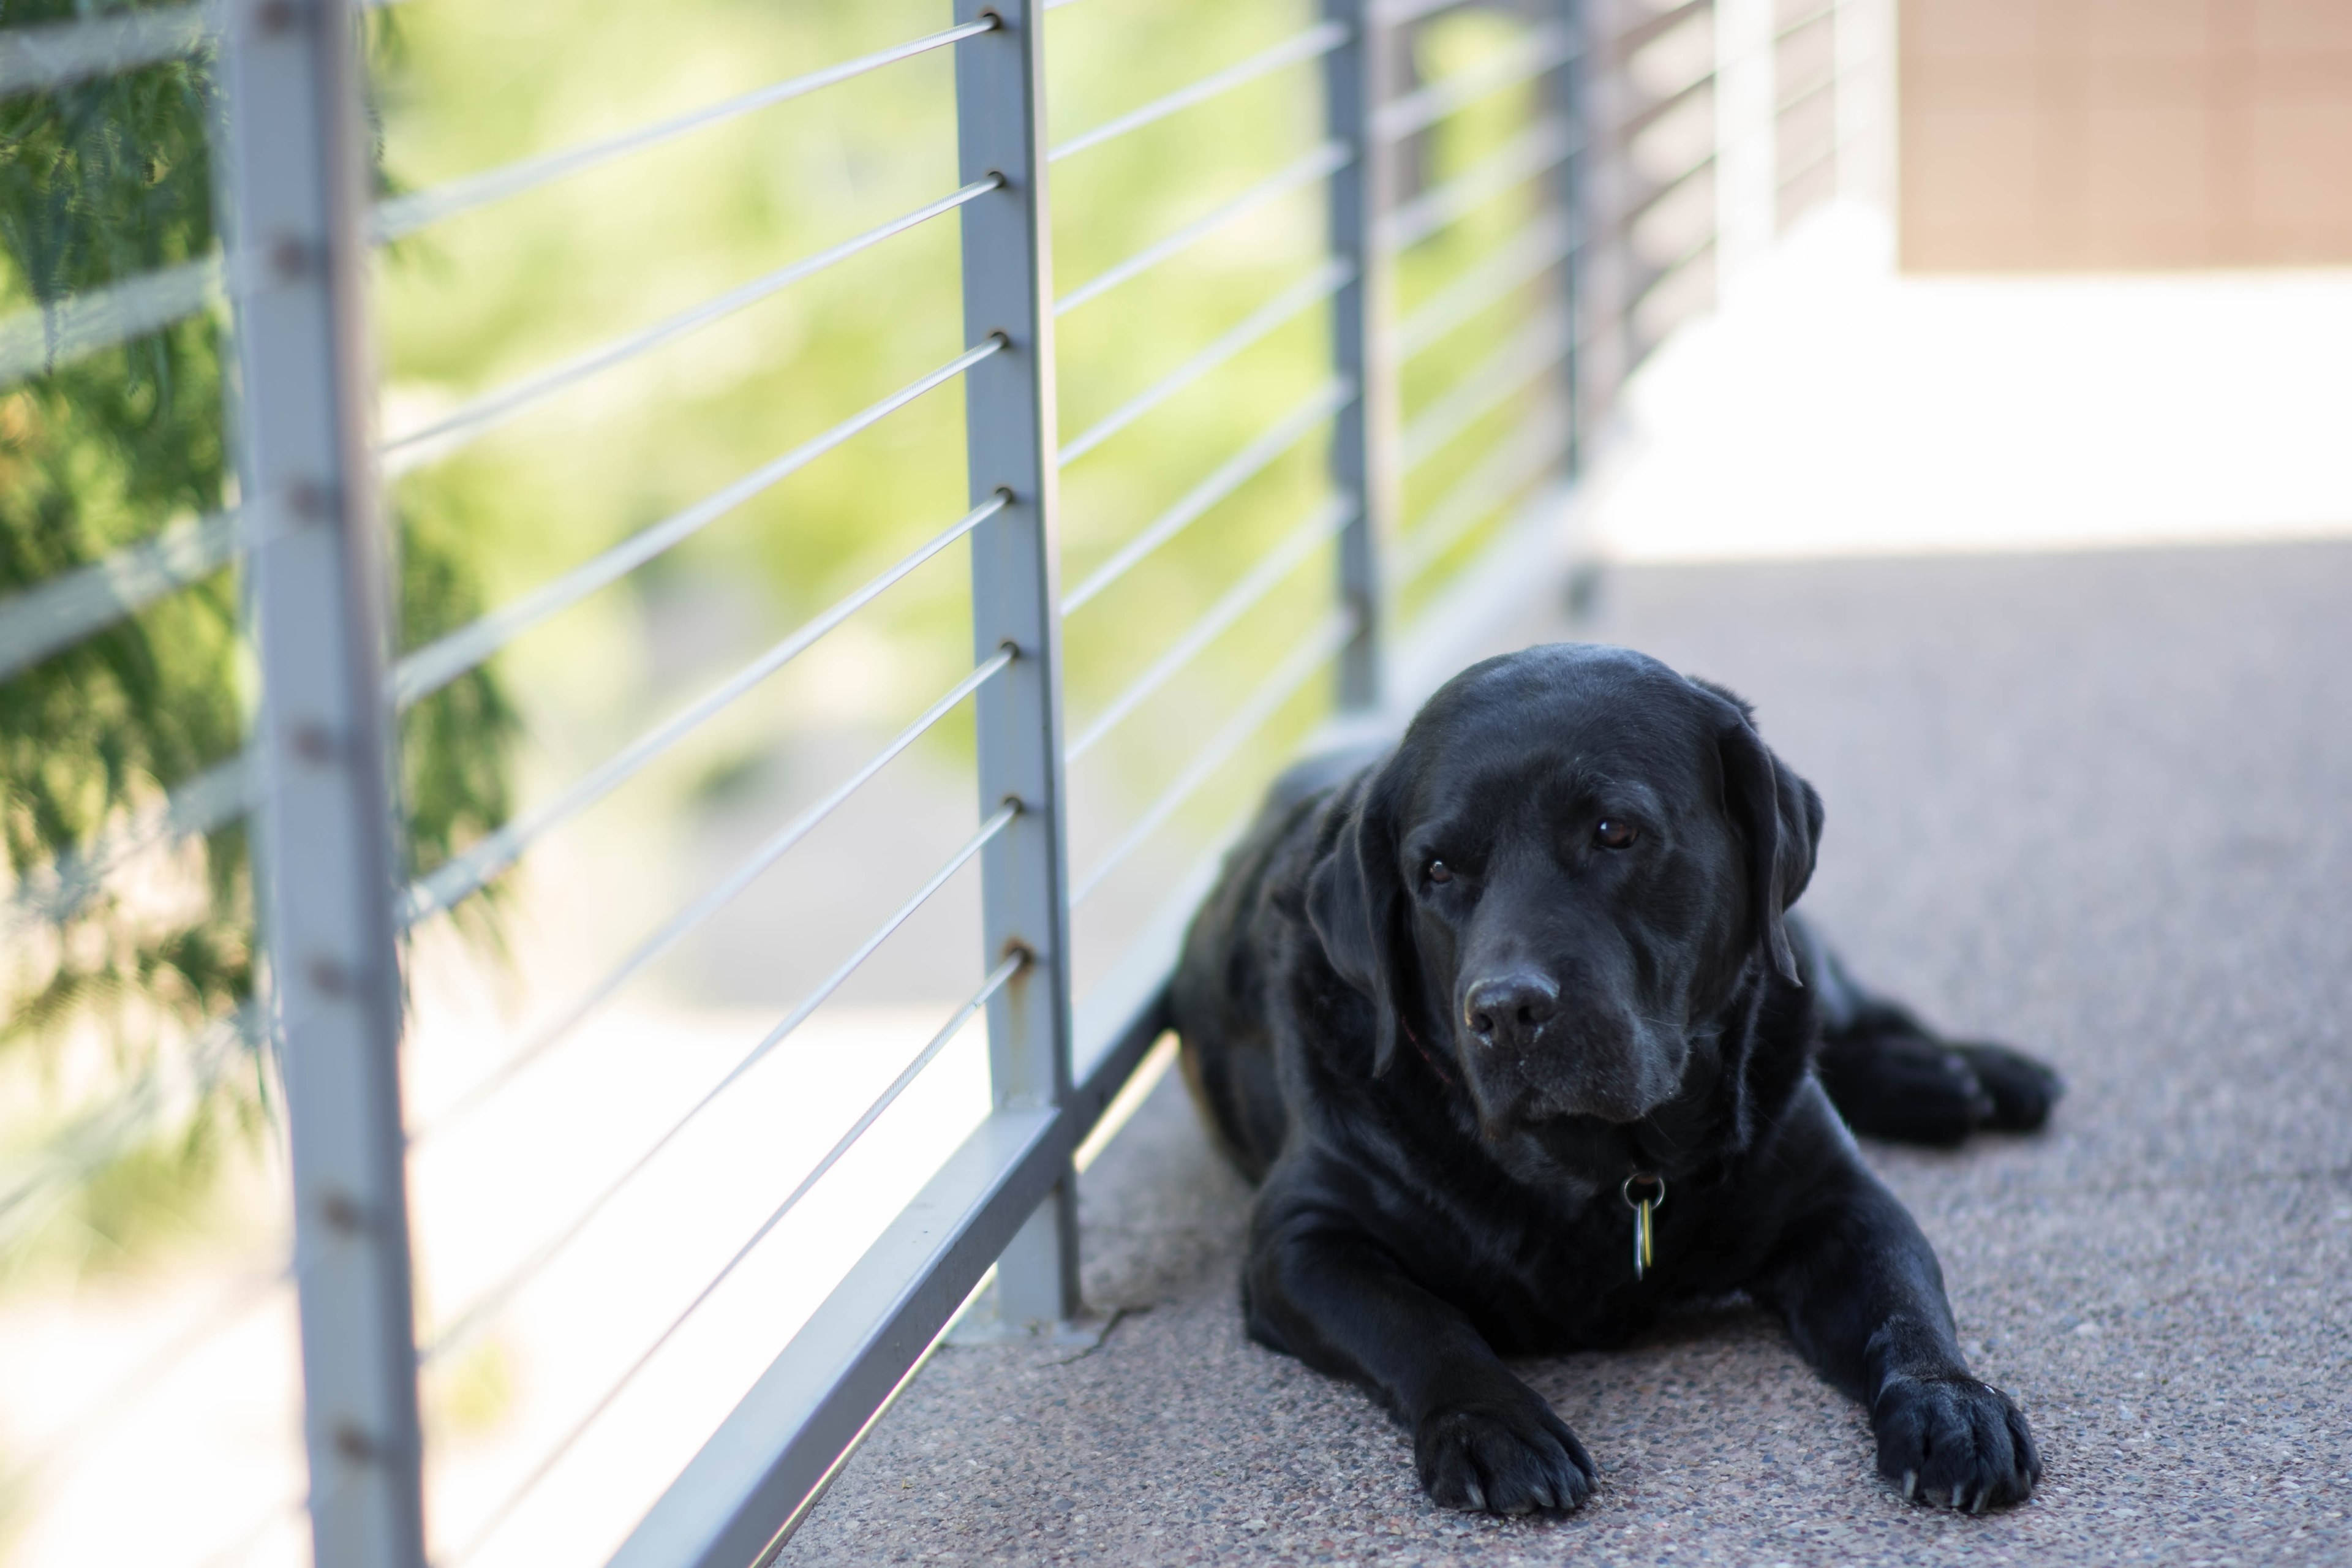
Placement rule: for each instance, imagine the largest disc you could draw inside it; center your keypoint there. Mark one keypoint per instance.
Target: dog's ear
(1779, 816)
(1357, 905)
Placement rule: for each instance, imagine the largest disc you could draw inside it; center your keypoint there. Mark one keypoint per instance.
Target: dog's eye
(1611, 833)
(1439, 871)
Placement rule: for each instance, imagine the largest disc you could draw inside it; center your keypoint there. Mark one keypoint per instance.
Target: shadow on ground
(2098, 805)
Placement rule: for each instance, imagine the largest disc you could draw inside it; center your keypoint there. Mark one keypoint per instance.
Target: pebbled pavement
(2100, 806)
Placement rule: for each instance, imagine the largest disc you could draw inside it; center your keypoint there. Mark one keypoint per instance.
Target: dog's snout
(1510, 1009)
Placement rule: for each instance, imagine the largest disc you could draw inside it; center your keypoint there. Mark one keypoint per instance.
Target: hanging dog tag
(1653, 1197)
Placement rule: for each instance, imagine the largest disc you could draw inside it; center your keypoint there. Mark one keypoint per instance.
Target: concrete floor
(2100, 806)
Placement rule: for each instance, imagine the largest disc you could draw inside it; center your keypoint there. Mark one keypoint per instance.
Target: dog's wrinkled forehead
(1607, 713)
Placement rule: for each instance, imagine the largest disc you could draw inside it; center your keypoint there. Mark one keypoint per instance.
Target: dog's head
(1560, 875)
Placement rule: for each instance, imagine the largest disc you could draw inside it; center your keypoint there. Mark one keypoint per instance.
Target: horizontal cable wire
(1805, 94)
(1658, 193)
(674, 929)
(59, 54)
(889, 1402)
(1631, 40)
(1280, 563)
(1540, 246)
(1310, 45)
(1791, 30)
(490, 1301)
(485, 413)
(436, 664)
(94, 1141)
(1262, 704)
(1229, 476)
(55, 615)
(1011, 965)
(1524, 356)
(208, 801)
(1544, 49)
(1255, 328)
(1650, 113)
(996, 981)
(464, 875)
(40, 338)
(1493, 481)
(1809, 166)
(1547, 142)
(1659, 278)
(405, 215)
(1323, 162)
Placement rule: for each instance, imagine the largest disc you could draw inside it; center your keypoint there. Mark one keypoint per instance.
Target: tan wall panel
(2147, 137)
(1971, 29)
(2286, 26)
(2135, 29)
(1804, 131)
(2296, 191)
(2126, 134)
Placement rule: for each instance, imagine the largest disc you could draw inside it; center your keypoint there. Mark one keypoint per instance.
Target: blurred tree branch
(101, 182)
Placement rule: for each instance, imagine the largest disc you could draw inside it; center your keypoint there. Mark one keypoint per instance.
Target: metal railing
(306, 531)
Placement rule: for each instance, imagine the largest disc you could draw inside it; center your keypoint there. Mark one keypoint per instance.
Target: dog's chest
(1536, 1277)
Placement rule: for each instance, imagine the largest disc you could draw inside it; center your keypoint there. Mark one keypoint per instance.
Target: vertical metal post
(1363, 440)
(1747, 140)
(297, 181)
(1010, 429)
(1848, 98)
(1604, 264)
(1863, 44)
(1568, 98)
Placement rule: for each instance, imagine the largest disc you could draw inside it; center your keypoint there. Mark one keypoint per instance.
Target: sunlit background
(2069, 275)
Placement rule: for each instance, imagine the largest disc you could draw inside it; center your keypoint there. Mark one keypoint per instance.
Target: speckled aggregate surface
(2099, 805)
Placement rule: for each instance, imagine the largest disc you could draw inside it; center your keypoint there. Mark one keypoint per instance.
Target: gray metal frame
(1009, 421)
(317, 775)
(1363, 441)
(297, 182)
(1566, 94)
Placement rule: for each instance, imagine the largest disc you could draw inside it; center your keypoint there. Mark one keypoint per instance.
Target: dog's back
(1217, 994)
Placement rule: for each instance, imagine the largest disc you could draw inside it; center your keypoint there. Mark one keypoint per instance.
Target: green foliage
(533, 280)
(454, 754)
(152, 1195)
(101, 182)
(538, 278)
(475, 1393)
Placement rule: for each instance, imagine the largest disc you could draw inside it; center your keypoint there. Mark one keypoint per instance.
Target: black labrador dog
(1514, 1030)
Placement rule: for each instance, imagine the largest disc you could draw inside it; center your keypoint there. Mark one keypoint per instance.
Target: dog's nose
(1510, 1009)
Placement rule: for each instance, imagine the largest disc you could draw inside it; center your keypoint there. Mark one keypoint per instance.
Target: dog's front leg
(1319, 1288)
(1864, 1298)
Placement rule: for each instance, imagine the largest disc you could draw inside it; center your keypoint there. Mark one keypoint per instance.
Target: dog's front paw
(1954, 1441)
(2020, 1088)
(1503, 1454)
